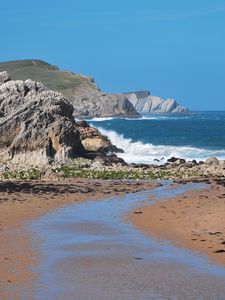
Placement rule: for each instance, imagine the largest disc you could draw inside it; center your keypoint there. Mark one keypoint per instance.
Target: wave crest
(138, 152)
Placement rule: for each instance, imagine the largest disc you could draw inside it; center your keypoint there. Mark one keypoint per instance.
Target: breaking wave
(101, 119)
(138, 152)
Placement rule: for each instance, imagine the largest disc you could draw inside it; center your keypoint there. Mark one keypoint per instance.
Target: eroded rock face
(212, 161)
(36, 124)
(93, 140)
(154, 104)
(4, 77)
(98, 104)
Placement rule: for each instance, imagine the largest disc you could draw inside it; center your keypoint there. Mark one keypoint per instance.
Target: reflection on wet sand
(91, 252)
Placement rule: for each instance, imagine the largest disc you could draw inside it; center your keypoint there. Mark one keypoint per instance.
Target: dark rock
(172, 159)
(83, 124)
(107, 160)
(176, 160)
(113, 159)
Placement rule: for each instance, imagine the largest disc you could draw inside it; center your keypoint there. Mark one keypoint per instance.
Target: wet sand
(57, 243)
(194, 220)
(22, 202)
(90, 252)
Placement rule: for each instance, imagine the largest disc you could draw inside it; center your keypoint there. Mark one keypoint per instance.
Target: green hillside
(61, 81)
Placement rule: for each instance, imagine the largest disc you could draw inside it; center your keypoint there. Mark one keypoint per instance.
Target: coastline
(24, 201)
(193, 220)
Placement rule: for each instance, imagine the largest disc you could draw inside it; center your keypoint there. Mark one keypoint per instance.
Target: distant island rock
(144, 103)
(87, 99)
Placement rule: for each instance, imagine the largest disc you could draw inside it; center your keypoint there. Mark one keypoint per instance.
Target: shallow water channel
(89, 251)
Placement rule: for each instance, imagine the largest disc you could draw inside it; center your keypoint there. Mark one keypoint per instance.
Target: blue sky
(172, 48)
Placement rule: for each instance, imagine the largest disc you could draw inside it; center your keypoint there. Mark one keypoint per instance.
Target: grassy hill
(82, 91)
(61, 81)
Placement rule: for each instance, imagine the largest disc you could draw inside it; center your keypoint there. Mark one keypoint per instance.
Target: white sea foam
(101, 119)
(131, 119)
(138, 152)
(144, 117)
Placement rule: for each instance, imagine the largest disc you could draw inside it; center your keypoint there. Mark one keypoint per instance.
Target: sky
(173, 48)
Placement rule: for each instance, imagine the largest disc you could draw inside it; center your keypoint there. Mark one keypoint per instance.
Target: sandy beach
(21, 202)
(193, 220)
(89, 251)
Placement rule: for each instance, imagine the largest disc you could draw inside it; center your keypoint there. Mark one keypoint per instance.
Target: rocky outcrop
(93, 140)
(153, 104)
(36, 124)
(212, 161)
(87, 99)
(4, 77)
(103, 105)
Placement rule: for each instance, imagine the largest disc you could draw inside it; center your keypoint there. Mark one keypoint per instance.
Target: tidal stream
(88, 251)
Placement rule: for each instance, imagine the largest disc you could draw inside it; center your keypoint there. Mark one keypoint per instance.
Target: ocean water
(197, 135)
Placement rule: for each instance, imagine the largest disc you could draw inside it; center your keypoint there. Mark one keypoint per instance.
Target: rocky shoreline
(110, 168)
(40, 139)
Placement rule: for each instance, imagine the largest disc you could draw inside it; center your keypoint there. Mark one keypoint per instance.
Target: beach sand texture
(194, 220)
(22, 202)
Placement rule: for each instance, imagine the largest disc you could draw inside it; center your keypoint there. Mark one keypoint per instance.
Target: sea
(153, 139)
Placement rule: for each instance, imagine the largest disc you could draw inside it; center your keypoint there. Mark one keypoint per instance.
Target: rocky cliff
(144, 103)
(91, 105)
(36, 124)
(87, 99)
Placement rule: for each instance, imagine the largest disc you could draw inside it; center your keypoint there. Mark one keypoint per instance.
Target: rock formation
(145, 103)
(87, 99)
(91, 105)
(36, 125)
(93, 140)
(81, 91)
(4, 77)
